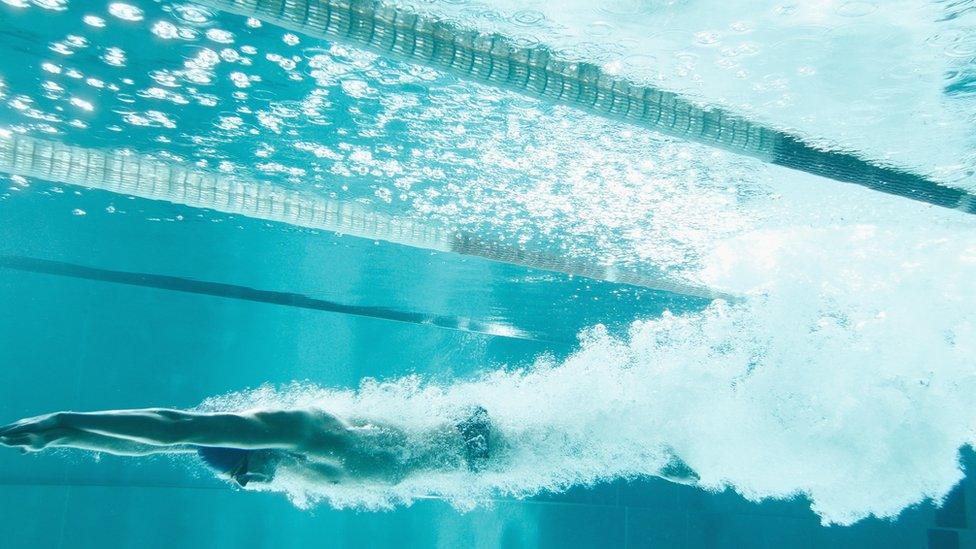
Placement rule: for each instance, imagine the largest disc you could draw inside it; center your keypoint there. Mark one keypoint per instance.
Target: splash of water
(844, 374)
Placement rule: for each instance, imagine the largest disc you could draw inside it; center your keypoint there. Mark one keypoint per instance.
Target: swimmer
(250, 449)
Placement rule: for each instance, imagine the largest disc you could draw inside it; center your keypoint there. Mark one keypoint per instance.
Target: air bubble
(94, 21)
(856, 9)
(528, 18)
(126, 12)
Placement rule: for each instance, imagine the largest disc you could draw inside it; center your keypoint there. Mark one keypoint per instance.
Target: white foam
(846, 375)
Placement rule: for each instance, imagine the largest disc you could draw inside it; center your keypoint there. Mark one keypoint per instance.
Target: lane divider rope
(129, 173)
(535, 70)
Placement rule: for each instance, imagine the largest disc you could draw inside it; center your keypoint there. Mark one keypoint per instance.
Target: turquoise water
(823, 402)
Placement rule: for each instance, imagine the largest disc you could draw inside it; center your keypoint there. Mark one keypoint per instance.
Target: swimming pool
(299, 205)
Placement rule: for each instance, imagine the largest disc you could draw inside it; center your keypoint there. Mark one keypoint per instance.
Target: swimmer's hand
(36, 433)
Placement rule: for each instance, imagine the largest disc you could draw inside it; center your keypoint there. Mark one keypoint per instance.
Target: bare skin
(311, 444)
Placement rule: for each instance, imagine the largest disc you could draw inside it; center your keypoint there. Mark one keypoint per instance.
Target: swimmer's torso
(329, 450)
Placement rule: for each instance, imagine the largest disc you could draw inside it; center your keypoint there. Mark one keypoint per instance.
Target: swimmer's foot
(678, 472)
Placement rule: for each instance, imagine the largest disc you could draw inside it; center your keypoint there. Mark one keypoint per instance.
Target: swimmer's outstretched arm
(42, 432)
(137, 432)
(110, 445)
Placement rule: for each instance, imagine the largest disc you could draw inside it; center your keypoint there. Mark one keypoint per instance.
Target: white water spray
(847, 376)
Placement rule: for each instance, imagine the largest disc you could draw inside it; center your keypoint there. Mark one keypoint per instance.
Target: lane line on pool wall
(272, 297)
(537, 71)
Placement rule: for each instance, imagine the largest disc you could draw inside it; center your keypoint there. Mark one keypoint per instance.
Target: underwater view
(487, 273)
